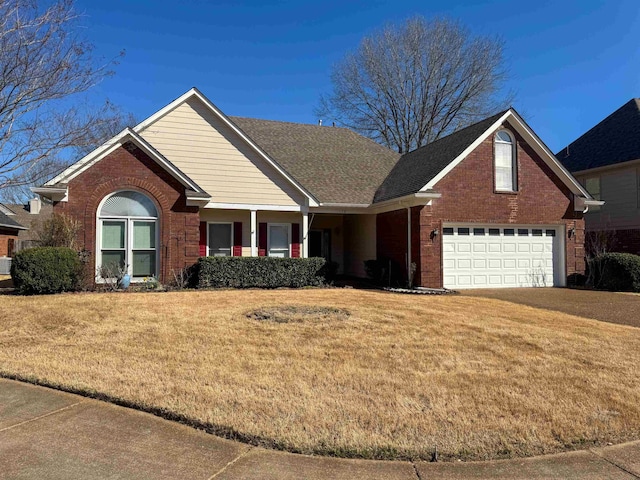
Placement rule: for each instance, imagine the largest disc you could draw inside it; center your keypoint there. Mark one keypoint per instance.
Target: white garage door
(490, 256)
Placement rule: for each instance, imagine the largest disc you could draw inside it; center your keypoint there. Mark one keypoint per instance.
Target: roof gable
(417, 168)
(422, 169)
(127, 135)
(210, 109)
(335, 164)
(616, 139)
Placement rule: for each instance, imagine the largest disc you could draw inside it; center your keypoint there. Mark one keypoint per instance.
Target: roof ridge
(285, 122)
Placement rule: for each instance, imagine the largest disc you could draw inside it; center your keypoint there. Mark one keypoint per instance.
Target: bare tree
(407, 85)
(44, 66)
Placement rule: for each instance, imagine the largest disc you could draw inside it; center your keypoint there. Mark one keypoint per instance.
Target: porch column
(254, 234)
(305, 234)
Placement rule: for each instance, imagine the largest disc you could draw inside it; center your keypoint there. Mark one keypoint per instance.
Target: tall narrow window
(127, 234)
(505, 162)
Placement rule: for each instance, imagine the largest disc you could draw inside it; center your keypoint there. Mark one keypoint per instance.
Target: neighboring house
(606, 160)
(9, 230)
(486, 206)
(29, 215)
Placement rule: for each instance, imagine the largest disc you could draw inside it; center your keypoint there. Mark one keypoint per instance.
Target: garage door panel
(491, 256)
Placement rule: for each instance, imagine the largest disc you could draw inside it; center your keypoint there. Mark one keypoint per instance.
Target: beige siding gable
(619, 190)
(201, 145)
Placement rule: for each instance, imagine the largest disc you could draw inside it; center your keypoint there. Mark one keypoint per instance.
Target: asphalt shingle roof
(28, 220)
(7, 221)
(615, 139)
(336, 165)
(415, 169)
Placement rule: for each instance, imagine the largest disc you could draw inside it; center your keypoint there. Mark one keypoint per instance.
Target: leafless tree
(44, 65)
(407, 85)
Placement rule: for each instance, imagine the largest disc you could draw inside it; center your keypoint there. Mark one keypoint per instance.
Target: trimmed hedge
(618, 272)
(258, 272)
(46, 270)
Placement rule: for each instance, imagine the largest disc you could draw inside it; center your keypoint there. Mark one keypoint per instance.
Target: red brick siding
(4, 244)
(130, 168)
(468, 196)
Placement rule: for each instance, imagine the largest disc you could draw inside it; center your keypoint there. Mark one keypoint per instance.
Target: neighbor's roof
(415, 169)
(27, 219)
(7, 221)
(615, 139)
(335, 164)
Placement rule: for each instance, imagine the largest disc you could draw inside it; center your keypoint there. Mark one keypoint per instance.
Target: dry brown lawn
(480, 378)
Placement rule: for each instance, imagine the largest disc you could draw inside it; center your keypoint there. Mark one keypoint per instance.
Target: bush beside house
(615, 272)
(258, 272)
(44, 270)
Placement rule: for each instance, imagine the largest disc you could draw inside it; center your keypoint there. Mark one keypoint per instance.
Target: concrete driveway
(612, 307)
(46, 434)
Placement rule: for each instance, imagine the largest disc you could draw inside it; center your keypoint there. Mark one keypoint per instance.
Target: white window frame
(231, 244)
(269, 225)
(128, 255)
(514, 162)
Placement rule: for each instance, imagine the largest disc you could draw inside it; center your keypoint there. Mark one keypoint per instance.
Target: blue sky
(571, 63)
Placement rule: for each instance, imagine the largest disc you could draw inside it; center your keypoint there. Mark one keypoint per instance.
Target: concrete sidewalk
(46, 434)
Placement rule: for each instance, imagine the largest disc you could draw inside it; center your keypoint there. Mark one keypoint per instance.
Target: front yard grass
(372, 375)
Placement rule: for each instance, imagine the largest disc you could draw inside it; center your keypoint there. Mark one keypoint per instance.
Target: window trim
(128, 221)
(514, 162)
(231, 244)
(279, 224)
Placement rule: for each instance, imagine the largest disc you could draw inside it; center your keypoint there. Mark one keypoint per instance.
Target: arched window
(128, 234)
(505, 162)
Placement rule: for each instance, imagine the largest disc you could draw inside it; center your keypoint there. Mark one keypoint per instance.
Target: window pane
(128, 204)
(494, 231)
(508, 232)
(278, 241)
(504, 178)
(503, 136)
(144, 234)
(113, 260)
(463, 231)
(144, 264)
(536, 232)
(478, 231)
(220, 239)
(112, 234)
(278, 237)
(447, 231)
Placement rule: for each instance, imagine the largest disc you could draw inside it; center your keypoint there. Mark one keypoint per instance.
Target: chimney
(34, 205)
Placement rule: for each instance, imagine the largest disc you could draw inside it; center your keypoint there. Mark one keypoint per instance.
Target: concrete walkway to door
(46, 434)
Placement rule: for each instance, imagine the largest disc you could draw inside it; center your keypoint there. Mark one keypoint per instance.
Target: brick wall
(129, 168)
(468, 196)
(5, 239)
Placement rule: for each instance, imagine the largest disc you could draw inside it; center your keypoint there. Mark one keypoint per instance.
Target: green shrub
(618, 272)
(46, 270)
(258, 272)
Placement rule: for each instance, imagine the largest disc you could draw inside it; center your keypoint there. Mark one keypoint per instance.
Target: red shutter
(203, 239)
(237, 239)
(295, 240)
(262, 240)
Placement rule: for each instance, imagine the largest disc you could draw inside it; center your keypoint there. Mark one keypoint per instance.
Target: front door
(320, 243)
